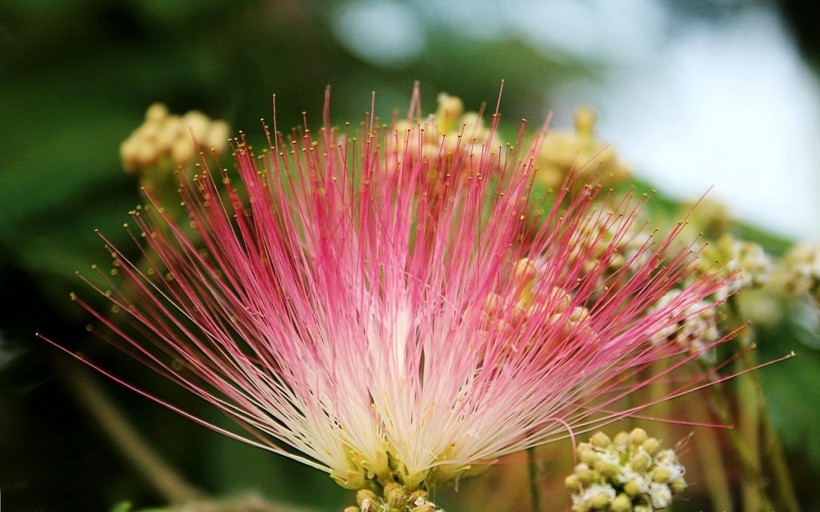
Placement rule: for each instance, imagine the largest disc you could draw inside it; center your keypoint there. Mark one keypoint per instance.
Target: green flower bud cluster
(395, 498)
(629, 473)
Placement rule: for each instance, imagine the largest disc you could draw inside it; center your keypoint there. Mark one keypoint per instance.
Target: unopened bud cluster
(394, 498)
(746, 260)
(708, 217)
(566, 152)
(501, 315)
(696, 327)
(629, 473)
(800, 272)
(170, 140)
(603, 238)
(450, 125)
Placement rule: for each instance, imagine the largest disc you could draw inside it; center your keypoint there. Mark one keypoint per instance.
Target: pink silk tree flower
(384, 315)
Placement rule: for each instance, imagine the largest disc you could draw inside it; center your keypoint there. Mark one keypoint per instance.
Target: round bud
(638, 436)
(573, 483)
(640, 460)
(587, 476)
(366, 499)
(396, 498)
(599, 439)
(622, 503)
(636, 486)
(661, 475)
(600, 500)
(652, 446)
(418, 497)
(677, 485)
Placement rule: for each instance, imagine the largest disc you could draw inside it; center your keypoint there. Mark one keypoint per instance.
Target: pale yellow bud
(599, 439)
(156, 113)
(652, 446)
(218, 135)
(622, 503)
(450, 108)
(557, 299)
(170, 132)
(148, 132)
(607, 469)
(635, 487)
(128, 154)
(577, 316)
(678, 485)
(525, 271)
(396, 497)
(146, 153)
(640, 460)
(587, 476)
(367, 500)
(418, 497)
(638, 436)
(600, 500)
(620, 440)
(390, 487)
(587, 454)
(585, 120)
(661, 475)
(195, 122)
(183, 152)
(473, 126)
(573, 483)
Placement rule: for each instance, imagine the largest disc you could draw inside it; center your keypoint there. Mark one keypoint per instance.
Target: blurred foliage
(75, 79)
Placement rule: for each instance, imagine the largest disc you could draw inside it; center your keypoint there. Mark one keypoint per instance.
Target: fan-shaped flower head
(385, 315)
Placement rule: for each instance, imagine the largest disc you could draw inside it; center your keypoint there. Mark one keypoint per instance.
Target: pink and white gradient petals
(353, 303)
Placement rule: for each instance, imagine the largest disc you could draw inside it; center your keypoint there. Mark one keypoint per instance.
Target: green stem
(753, 392)
(534, 472)
(749, 432)
(780, 469)
(711, 462)
(750, 470)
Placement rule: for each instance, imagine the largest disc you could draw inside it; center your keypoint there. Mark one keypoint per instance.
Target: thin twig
(146, 461)
(534, 472)
(165, 480)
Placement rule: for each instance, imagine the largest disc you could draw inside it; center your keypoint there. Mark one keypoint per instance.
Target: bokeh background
(698, 94)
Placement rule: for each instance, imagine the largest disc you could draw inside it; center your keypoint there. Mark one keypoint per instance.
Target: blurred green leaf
(124, 506)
